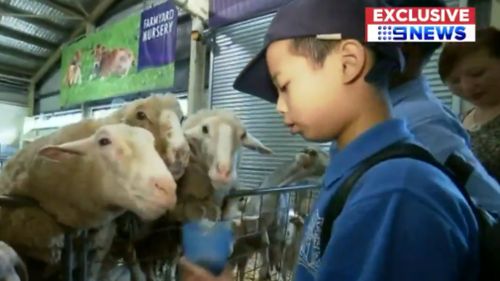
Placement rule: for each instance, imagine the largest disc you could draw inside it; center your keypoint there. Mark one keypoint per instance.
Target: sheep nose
(165, 184)
(223, 170)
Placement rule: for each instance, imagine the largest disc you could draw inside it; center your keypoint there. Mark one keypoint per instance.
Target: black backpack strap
(396, 150)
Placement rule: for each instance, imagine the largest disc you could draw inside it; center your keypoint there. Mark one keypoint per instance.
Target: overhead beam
(21, 36)
(14, 86)
(101, 7)
(79, 5)
(8, 80)
(18, 53)
(15, 70)
(7, 10)
(41, 17)
(12, 77)
(63, 8)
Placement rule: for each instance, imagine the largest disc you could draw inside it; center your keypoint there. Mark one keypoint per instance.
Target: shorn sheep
(215, 137)
(159, 114)
(83, 183)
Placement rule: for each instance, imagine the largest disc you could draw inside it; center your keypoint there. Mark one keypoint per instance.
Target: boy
(404, 220)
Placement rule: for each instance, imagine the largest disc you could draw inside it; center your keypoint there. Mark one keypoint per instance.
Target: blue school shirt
(437, 128)
(403, 221)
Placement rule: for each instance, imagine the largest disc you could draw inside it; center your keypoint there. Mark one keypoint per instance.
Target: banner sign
(133, 55)
(225, 12)
(158, 34)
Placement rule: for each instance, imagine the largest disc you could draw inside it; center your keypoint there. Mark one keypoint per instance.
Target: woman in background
(472, 71)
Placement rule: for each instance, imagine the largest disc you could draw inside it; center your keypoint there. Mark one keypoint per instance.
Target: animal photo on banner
(132, 55)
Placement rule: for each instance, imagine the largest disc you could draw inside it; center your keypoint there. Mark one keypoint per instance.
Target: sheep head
(132, 174)
(160, 114)
(215, 137)
(309, 162)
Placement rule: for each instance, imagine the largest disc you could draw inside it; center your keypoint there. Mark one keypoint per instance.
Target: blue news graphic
(428, 32)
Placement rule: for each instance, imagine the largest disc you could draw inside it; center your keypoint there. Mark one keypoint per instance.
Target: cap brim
(255, 79)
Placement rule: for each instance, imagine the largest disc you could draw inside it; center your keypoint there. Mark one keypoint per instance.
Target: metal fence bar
(297, 199)
(83, 256)
(267, 190)
(67, 257)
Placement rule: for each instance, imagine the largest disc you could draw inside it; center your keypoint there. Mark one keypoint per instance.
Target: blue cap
(341, 19)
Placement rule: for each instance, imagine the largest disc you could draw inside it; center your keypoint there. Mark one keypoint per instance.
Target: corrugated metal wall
(238, 44)
(431, 72)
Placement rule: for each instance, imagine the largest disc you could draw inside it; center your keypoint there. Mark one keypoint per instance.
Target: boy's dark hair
(312, 48)
(428, 48)
(317, 50)
(486, 39)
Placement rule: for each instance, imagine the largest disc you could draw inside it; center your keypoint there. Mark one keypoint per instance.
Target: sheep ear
(57, 153)
(66, 150)
(253, 143)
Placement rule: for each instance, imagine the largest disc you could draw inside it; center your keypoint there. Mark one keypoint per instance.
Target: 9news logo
(424, 24)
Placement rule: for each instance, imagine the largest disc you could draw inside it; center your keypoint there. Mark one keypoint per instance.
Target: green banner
(104, 64)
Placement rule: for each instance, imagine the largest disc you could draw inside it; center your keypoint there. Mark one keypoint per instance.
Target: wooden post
(197, 62)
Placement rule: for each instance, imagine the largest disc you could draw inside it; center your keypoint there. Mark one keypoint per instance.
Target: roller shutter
(431, 72)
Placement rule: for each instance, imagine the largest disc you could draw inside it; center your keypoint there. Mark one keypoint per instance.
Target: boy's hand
(193, 272)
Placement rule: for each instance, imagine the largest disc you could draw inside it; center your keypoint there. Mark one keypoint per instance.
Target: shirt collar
(416, 88)
(364, 146)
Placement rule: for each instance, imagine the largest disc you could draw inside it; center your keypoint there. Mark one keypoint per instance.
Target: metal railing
(289, 193)
(283, 244)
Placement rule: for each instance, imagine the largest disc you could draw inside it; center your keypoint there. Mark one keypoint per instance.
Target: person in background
(404, 219)
(434, 124)
(472, 72)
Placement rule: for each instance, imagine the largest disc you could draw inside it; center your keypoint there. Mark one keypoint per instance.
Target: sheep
(215, 136)
(257, 217)
(12, 268)
(161, 115)
(115, 169)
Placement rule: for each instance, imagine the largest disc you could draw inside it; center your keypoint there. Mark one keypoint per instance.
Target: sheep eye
(244, 135)
(141, 115)
(104, 142)
(204, 129)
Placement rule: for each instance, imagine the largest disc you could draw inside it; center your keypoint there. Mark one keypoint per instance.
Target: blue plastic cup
(208, 244)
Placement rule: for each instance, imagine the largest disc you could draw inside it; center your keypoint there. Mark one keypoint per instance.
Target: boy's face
(311, 97)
